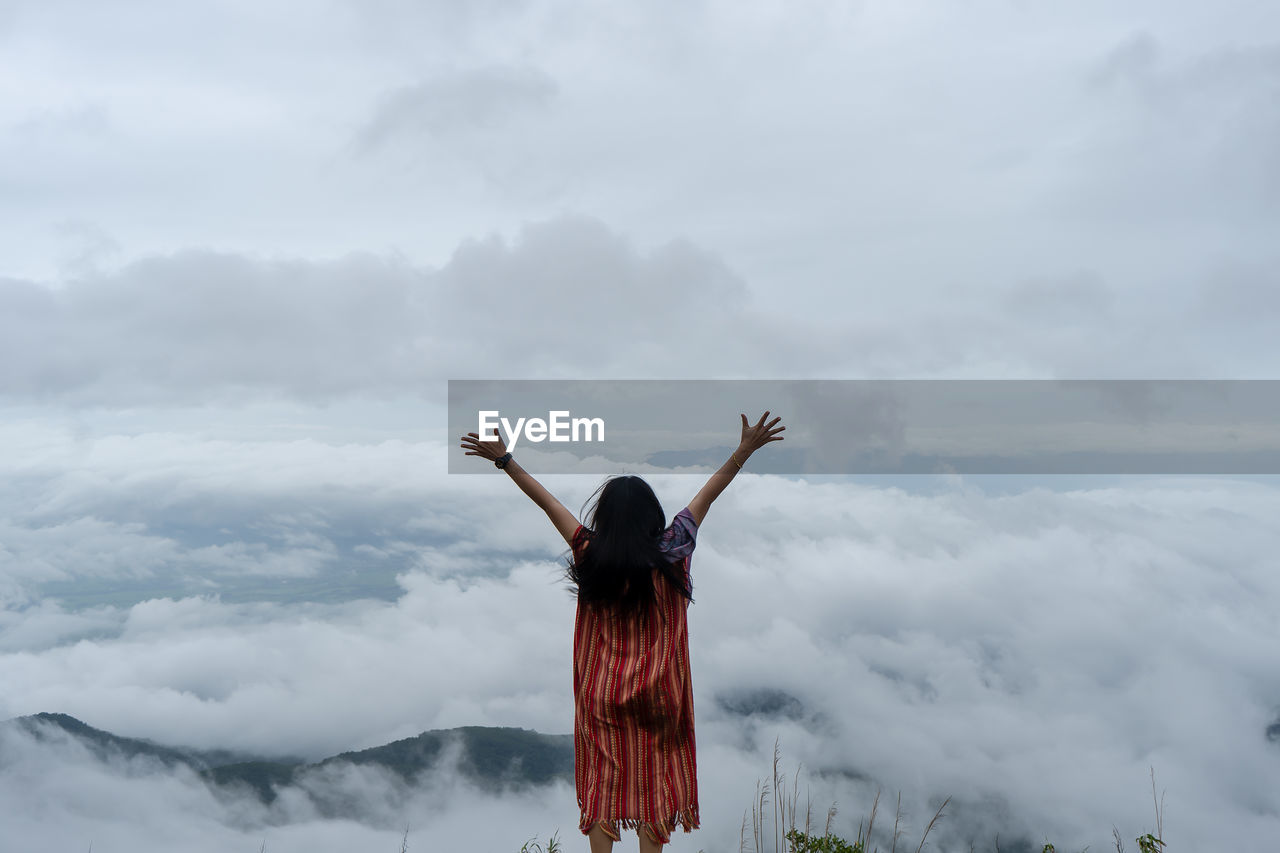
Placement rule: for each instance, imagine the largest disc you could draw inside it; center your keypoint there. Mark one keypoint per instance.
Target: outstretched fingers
(475, 446)
(762, 432)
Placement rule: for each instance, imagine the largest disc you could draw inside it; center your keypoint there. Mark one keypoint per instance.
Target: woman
(634, 759)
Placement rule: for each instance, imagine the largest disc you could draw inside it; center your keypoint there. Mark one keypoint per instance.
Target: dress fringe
(659, 833)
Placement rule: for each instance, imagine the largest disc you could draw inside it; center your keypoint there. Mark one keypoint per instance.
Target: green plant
(802, 842)
(1149, 843)
(553, 845)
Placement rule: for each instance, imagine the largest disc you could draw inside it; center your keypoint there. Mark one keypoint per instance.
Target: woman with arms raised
(634, 757)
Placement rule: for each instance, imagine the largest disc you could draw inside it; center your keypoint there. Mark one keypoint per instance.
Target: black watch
(502, 461)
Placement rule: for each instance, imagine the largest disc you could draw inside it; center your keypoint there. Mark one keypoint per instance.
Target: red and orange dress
(633, 750)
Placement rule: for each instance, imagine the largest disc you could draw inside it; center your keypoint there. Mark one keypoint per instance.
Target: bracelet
(734, 457)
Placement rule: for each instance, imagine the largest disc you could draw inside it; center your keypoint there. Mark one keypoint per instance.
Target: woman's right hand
(757, 435)
(490, 448)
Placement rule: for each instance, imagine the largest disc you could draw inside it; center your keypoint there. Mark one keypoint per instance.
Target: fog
(243, 249)
(1041, 650)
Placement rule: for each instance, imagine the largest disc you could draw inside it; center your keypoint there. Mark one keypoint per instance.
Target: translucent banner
(898, 426)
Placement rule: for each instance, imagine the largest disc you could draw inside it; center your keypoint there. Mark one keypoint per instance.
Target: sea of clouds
(1032, 652)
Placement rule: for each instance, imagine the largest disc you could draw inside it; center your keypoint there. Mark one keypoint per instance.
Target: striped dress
(633, 749)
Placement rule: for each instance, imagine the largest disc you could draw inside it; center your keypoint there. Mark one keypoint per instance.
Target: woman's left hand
(491, 449)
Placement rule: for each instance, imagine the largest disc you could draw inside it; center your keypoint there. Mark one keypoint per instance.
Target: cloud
(568, 297)
(73, 125)
(1027, 650)
(47, 624)
(1082, 299)
(54, 792)
(165, 513)
(1182, 134)
(199, 324)
(482, 99)
(1236, 300)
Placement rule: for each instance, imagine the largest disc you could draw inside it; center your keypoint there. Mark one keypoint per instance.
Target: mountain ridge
(491, 757)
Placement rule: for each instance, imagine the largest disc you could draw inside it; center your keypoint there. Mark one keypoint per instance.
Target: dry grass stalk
(936, 816)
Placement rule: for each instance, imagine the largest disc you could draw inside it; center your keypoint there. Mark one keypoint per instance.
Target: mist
(243, 251)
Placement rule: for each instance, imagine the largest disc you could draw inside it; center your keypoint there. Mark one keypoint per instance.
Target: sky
(245, 246)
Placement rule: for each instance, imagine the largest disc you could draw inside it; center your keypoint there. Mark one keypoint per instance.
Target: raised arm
(754, 437)
(495, 449)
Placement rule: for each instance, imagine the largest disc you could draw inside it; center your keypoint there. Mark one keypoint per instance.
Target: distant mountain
(767, 702)
(491, 758)
(104, 745)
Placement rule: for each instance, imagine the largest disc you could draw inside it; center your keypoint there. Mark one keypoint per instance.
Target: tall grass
(776, 818)
(532, 845)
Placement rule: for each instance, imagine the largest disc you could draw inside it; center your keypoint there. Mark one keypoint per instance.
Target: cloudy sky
(244, 247)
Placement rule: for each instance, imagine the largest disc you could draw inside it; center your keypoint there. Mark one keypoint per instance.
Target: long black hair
(615, 568)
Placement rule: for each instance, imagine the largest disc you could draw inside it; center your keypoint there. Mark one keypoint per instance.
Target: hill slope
(489, 757)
